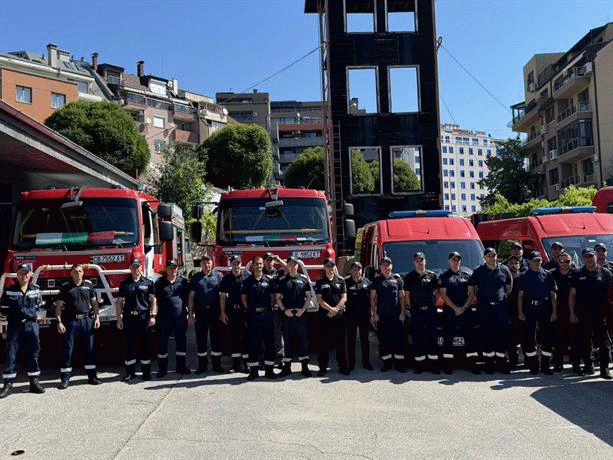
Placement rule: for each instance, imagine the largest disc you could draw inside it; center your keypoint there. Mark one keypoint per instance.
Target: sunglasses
(564, 261)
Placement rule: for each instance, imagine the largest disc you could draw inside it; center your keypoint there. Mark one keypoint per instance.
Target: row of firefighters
(516, 303)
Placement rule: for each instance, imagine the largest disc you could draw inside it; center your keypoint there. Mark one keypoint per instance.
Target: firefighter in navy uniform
(536, 303)
(491, 283)
(258, 296)
(588, 306)
(331, 297)
(556, 249)
(78, 298)
(601, 256)
(232, 310)
(293, 297)
(20, 304)
(565, 338)
(387, 306)
(171, 291)
(358, 315)
(521, 253)
(270, 260)
(516, 327)
(136, 309)
(203, 311)
(421, 291)
(458, 312)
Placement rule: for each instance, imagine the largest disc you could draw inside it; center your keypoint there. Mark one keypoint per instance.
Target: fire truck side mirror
(348, 210)
(164, 210)
(197, 211)
(196, 231)
(350, 228)
(166, 231)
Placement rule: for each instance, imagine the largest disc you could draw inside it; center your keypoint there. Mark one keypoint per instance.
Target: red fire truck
(100, 228)
(280, 220)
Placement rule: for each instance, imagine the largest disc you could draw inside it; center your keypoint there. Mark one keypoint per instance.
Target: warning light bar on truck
(419, 213)
(563, 210)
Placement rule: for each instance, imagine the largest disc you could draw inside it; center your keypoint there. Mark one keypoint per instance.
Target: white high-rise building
(463, 154)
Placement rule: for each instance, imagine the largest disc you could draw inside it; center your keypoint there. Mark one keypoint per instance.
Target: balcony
(573, 113)
(301, 141)
(575, 80)
(186, 136)
(522, 120)
(182, 112)
(576, 148)
(533, 142)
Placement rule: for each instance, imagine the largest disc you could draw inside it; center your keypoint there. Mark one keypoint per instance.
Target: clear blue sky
(213, 45)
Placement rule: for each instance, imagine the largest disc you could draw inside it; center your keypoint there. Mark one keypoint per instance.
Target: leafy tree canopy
(307, 170)
(106, 130)
(405, 179)
(238, 156)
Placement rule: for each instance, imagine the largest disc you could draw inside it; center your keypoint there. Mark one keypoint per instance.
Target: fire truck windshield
(294, 221)
(93, 222)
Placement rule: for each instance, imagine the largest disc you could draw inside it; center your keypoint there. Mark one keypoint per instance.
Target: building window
(445, 184)
(463, 196)
(446, 207)
(454, 208)
(458, 140)
(475, 141)
(461, 150)
(453, 196)
(445, 172)
(83, 87)
(447, 196)
(461, 161)
(362, 91)
(472, 197)
(159, 146)
(462, 173)
(470, 151)
(452, 184)
(450, 149)
(472, 174)
(23, 94)
(451, 161)
(480, 174)
(481, 163)
(444, 149)
(444, 161)
(158, 122)
(480, 152)
(466, 140)
(451, 173)
(359, 19)
(463, 185)
(473, 208)
(398, 19)
(403, 89)
(471, 163)
(447, 139)
(484, 141)
(472, 185)
(365, 170)
(463, 208)
(406, 165)
(58, 100)
(489, 152)
(553, 176)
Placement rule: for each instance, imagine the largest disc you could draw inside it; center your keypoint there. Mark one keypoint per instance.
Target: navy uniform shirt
(358, 298)
(388, 294)
(331, 291)
(293, 290)
(258, 292)
(206, 289)
(550, 265)
(136, 294)
(456, 285)
(421, 288)
(591, 287)
(537, 287)
(77, 299)
(491, 284)
(232, 286)
(563, 282)
(171, 297)
(19, 306)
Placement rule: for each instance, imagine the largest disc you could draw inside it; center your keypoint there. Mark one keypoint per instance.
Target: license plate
(305, 254)
(108, 259)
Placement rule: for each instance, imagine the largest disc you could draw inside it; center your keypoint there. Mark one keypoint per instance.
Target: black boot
(130, 373)
(577, 368)
(236, 365)
(545, 368)
(604, 372)
(203, 364)
(473, 365)
(162, 367)
(146, 368)
(217, 364)
(533, 365)
(6, 389)
(305, 370)
(269, 372)
(502, 366)
(181, 367)
(387, 365)
(92, 377)
(490, 366)
(64, 378)
(287, 369)
(253, 373)
(35, 386)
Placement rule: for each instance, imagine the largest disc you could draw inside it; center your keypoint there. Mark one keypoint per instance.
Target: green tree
(361, 174)
(405, 179)
(238, 156)
(106, 130)
(307, 170)
(507, 174)
(180, 177)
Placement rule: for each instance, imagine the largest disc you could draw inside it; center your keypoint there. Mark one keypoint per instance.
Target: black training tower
(348, 126)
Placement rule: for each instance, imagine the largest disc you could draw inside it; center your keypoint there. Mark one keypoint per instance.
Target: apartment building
(163, 112)
(567, 114)
(463, 155)
(38, 85)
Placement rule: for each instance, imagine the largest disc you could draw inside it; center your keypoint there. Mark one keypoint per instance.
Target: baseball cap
(419, 255)
(588, 252)
(136, 261)
(534, 255)
(268, 255)
(557, 244)
(206, 257)
(292, 259)
(454, 254)
(355, 263)
(600, 246)
(27, 267)
(489, 251)
(172, 263)
(329, 261)
(516, 245)
(234, 258)
(386, 259)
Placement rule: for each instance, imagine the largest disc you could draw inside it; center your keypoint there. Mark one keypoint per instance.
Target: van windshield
(573, 245)
(437, 253)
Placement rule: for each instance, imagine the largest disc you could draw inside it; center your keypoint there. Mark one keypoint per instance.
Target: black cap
(419, 255)
(516, 245)
(557, 244)
(588, 252)
(268, 255)
(454, 254)
(206, 257)
(600, 246)
(136, 261)
(234, 258)
(489, 251)
(355, 263)
(27, 267)
(292, 259)
(328, 261)
(386, 259)
(172, 263)
(534, 255)
(512, 258)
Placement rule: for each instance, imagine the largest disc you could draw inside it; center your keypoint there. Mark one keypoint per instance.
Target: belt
(537, 303)
(135, 313)
(262, 309)
(81, 316)
(28, 320)
(424, 307)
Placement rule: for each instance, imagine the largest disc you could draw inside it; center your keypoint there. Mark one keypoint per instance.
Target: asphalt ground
(368, 414)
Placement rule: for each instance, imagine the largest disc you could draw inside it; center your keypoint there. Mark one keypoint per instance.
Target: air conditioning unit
(532, 87)
(556, 187)
(595, 158)
(588, 68)
(553, 154)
